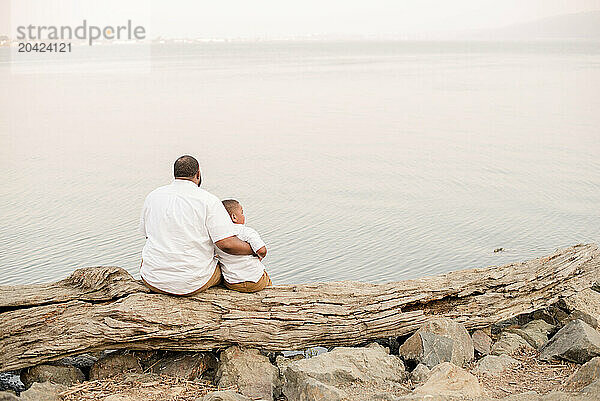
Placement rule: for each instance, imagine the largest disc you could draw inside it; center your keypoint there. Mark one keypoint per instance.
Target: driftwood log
(105, 308)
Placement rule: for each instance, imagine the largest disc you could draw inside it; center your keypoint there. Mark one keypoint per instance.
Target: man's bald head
(186, 167)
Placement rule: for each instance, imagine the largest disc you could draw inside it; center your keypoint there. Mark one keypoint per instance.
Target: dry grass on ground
(532, 375)
(140, 387)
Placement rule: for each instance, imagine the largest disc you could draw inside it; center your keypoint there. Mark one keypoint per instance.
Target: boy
(243, 273)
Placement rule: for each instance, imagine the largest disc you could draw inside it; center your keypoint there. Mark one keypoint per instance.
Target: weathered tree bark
(105, 308)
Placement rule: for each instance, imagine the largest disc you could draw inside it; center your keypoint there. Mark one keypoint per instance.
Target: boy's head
(235, 210)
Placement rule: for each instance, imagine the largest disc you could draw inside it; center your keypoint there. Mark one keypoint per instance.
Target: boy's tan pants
(249, 286)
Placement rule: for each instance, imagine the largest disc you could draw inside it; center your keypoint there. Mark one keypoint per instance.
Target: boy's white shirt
(240, 268)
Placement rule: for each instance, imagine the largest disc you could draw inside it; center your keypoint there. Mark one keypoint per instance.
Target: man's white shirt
(181, 223)
(240, 268)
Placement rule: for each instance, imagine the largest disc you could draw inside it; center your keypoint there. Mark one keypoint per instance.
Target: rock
(516, 321)
(551, 396)
(188, 366)
(283, 362)
(592, 389)
(225, 396)
(377, 345)
(576, 342)
(593, 394)
(420, 374)
(482, 342)
(494, 365)
(84, 362)
(561, 396)
(427, 348)
(43, 392)
(7, 396)
(462, 350)
(148, 358)
(114, 364)
(450, 380)
(527, 396)
(509, 343)
(586, 302)
(535, 332)
(486, 330)
(11, 381)
(65, 375)
(249, 370)
(560, 317)
(390, 343)
(552, 315)
(585, 305)
(462, 345)
(582, 316)
(586, 374)
(344, 365)
(311, 389)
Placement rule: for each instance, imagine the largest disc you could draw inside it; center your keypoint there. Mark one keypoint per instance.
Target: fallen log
(105, 308)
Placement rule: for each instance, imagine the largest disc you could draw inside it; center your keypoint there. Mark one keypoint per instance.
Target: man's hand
(261, 253)
(234, 246)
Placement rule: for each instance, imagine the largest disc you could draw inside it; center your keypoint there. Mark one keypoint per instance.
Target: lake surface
(371, 161)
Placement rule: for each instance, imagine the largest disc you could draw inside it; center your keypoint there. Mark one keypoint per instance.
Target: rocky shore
(550, 354)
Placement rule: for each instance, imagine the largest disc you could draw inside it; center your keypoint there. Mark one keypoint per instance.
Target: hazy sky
(275, 18)
(360, 17)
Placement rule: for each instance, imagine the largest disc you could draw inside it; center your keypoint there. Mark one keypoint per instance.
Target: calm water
(358, 160)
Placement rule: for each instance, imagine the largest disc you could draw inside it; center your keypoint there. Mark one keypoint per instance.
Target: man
(181, 222)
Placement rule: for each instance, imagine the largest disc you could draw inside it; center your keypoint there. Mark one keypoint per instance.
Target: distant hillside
(585, 25)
